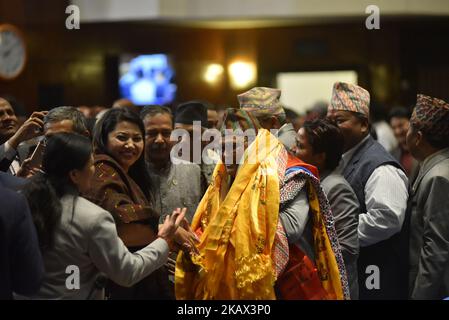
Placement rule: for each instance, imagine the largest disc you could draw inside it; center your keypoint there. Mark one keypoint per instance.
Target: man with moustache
(11, 136)
(380, 185)
(172, 185)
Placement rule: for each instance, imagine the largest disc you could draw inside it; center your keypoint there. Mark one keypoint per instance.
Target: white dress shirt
(385, 135)
(386, 196)
(11, 154)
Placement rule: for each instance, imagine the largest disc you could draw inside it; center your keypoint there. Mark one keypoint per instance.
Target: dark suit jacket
(21, 265)
(11, 182)
(23, 150)
(4, 162)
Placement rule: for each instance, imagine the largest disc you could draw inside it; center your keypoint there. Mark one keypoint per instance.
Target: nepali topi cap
(431, 115)
(261, 101)
(349, 97)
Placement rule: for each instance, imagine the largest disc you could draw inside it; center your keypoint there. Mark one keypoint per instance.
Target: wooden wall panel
(83, 62)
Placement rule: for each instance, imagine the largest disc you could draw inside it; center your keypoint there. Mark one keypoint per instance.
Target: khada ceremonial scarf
(237, 230)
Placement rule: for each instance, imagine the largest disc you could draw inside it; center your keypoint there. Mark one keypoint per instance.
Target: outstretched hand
(186, 238)
(26, 170)
(171, 223)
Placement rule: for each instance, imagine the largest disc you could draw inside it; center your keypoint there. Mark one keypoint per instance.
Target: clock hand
(6, 53)
(6, 50)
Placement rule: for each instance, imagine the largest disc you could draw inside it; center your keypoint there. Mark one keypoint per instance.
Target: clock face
(12, 52)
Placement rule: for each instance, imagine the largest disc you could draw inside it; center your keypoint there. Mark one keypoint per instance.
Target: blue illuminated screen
(147, 79)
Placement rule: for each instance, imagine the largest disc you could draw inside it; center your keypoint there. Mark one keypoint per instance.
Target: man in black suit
(11, 182)
(21, 265)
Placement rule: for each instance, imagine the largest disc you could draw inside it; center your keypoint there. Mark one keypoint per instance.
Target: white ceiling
(252, 13)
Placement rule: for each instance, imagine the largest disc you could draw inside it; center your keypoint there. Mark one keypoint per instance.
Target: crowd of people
(243, 203)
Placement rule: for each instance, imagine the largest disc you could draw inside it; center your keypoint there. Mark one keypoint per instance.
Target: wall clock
(13, 53)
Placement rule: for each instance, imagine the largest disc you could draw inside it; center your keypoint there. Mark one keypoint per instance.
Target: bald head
(3, 102)
(127, 104)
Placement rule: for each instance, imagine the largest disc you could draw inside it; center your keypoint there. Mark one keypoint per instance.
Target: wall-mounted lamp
(213, 73)
(242, 74)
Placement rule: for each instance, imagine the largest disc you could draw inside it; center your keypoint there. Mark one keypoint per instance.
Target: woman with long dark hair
(78, 239)
(121, 186)
(121, 183)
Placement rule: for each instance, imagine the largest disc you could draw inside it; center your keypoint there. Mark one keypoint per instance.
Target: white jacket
(88, 242)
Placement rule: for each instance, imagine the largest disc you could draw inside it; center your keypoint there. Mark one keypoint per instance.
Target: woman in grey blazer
(320, 143)
(79, 239)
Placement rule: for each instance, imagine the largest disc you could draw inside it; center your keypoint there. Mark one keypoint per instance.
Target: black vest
(390, 255)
